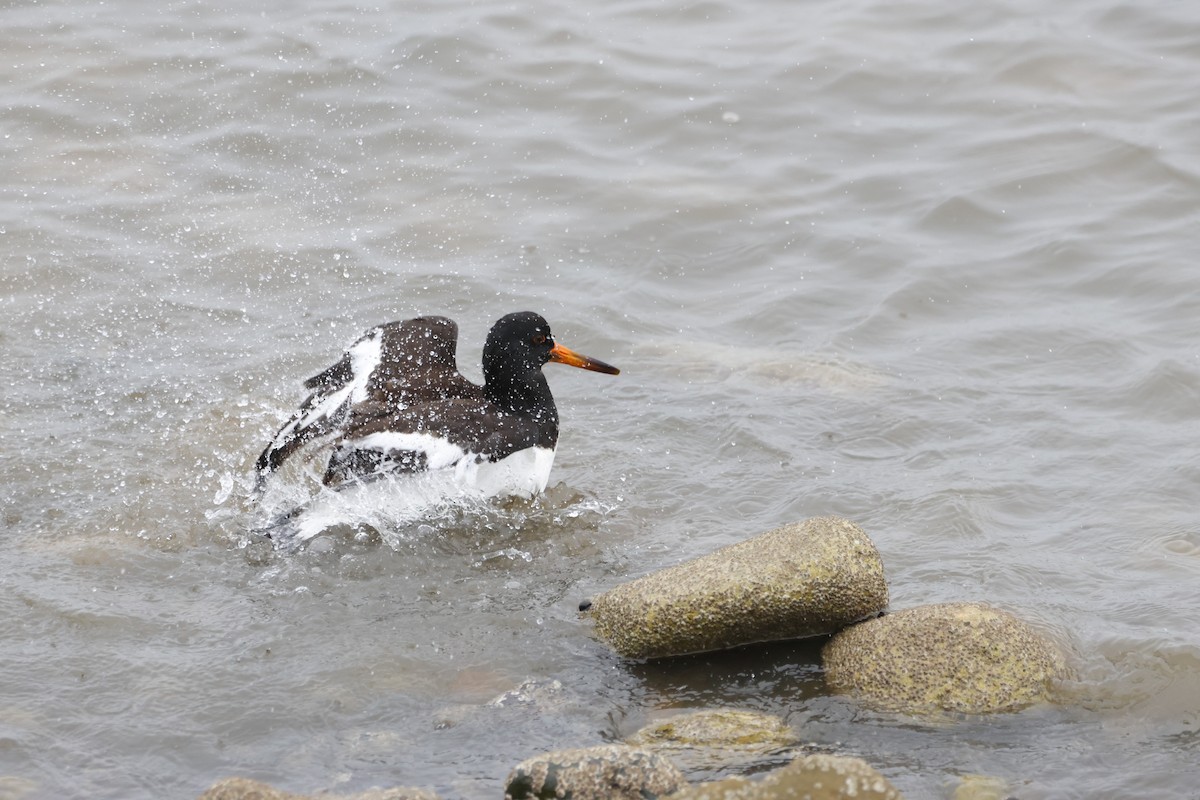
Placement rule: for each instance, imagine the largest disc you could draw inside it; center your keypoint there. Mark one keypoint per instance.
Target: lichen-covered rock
(813, 777)
(804, 579)
(247, 789)
(720, 728)
(594, 773)
(959, 657)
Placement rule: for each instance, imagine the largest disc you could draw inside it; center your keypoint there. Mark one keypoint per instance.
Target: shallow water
(926, 266)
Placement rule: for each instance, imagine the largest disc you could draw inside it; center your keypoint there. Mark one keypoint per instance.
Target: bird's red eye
(539, 339)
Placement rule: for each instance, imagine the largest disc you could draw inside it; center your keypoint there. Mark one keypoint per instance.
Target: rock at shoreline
(247, 789)
(605, 772)
(958, 657)
(814, 777)
(805, 579)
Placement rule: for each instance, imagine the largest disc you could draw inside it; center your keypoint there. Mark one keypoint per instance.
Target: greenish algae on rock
(720, 728)
(594, 773)
(813, 777)
(247, 789)
(805, 579)
(960, 657)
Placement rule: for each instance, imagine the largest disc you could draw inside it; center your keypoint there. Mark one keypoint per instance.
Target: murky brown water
(926, 266)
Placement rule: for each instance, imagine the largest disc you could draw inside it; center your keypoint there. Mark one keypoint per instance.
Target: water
(931, 267)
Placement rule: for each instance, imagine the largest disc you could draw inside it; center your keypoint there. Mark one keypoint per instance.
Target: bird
(396, 404)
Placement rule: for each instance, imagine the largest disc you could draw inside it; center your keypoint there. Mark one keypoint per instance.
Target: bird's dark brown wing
(392, 366)
(418, 364)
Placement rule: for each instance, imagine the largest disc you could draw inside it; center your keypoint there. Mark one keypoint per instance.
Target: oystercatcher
(396, 404)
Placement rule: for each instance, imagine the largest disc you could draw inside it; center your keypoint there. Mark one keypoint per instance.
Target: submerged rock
(530, 692)
(960, 657)
(247, 789)
(537, 695)
(805, 579)
(813, 777)
(982, 787)
(717, 739)
(13, 787)
(594, 773)
(720, 728)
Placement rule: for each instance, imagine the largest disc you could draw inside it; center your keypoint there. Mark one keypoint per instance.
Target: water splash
(399, 509)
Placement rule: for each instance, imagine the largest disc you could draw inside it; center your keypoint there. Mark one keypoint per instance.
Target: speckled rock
(594, 773)
(247, 789)
(722, 728)
(812, 777)
(959, 657)
(804, 579)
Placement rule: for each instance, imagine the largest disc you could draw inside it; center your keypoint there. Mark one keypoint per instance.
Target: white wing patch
(365, 355)
(438, 452)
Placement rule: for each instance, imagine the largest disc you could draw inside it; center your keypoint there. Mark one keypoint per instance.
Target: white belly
(523, 474)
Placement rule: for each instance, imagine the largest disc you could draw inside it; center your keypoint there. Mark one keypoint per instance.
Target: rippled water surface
(929, 266)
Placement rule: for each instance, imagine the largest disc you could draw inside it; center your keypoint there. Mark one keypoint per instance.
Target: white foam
(385, 503)
(396, 500)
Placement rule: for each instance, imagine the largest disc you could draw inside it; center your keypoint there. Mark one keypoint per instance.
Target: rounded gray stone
(805, 579)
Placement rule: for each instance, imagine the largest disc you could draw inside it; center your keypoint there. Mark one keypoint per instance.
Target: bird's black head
(518, 343)
(521, 342)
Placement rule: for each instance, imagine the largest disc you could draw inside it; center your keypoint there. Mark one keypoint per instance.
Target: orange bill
(567, 356)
